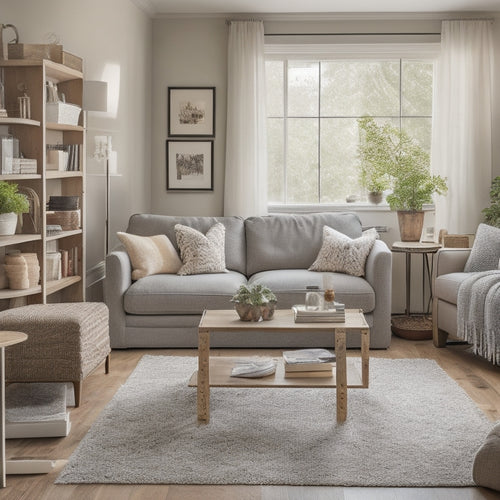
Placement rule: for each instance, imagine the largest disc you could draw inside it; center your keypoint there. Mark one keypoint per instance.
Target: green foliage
(396, 160)
(11, 200)
(255, 295)
(492, 213)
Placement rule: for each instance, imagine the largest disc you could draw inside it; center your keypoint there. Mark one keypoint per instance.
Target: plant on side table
(254, 302)
(11, 203)
(408, 166)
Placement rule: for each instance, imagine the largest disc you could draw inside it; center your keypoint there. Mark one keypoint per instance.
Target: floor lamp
(95, 98)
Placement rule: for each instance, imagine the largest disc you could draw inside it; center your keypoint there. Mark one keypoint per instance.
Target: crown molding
(146, 6)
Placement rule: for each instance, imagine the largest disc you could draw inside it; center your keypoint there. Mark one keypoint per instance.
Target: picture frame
(190, 165)
(191, 111)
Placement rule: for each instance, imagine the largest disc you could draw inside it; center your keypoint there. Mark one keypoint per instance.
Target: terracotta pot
(411, 223)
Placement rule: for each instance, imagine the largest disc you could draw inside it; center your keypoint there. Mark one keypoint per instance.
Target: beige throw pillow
(150, 254)
(201, 254)
(339, 253)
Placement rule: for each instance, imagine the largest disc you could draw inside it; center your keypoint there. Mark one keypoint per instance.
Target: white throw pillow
(342, 254)
(150, 254)
(201, 254)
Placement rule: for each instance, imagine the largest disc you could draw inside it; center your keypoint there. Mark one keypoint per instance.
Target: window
(313, 107)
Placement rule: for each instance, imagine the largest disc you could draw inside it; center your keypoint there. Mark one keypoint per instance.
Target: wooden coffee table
(216, 371)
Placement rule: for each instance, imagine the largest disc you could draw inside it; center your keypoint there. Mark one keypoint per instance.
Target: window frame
(342, 51)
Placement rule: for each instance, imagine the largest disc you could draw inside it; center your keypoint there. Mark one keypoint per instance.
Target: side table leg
(203, 400)
(341, 374)
(365, 357)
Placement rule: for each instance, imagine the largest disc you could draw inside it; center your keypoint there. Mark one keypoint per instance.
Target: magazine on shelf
(254, 368)
(308, 356)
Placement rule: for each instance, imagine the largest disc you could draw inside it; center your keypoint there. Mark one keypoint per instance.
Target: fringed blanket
(478, 309)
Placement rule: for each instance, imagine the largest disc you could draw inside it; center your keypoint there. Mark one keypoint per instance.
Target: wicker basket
(69, 220)
(456, 241)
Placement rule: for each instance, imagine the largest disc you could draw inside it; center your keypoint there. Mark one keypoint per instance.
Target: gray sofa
(164, 310)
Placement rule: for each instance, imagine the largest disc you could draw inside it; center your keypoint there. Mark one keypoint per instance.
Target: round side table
(415, 326)
(6, 339)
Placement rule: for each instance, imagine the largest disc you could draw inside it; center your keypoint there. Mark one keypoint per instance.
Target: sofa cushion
(446, 286)
(485, 253)
(289, 285)
(292, 241)
(150, 254)
(235, 247)
(201, 253)
(339, 253)
(174, 294)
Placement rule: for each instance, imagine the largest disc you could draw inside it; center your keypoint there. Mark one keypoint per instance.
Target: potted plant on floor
(254, 302)
(408, 166)
(11, 203)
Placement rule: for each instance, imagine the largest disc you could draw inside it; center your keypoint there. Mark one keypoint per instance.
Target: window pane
(303, 88)
(358, 88)
(420, 129)
(302, 161)
(275, 87)
(417, 88)
(339, 163)
(276, 161)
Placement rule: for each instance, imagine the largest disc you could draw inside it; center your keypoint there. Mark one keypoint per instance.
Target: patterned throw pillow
(485, 253)
(150, 254)
(339, 253)
(201, 253)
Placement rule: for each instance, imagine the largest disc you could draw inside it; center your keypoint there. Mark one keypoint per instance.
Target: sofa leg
(439, 338)
(106, 364)
(77, 389)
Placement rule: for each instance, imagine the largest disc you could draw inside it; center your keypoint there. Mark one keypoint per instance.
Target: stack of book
(336, 314)
(308, 363)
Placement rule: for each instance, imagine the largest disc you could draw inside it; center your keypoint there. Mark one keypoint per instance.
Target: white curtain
(245, 191)
(462, 117)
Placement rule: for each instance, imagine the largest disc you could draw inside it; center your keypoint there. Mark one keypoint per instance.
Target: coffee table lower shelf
(220, 376)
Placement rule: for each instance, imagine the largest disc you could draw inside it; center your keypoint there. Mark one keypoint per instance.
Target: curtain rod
(229, 21)
(350, 34)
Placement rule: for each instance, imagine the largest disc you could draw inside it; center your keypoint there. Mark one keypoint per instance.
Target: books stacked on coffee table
(335, 314)
(308, 363)
(254, 368)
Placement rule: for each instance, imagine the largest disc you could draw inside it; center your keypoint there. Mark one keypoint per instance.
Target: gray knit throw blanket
(478, 309)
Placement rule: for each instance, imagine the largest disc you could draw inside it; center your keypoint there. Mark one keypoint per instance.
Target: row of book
(62, 263)
(334, 314)
(63, 157)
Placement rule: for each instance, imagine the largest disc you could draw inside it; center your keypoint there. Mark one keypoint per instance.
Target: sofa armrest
(450, 260)
(378, 272)
(118, 280)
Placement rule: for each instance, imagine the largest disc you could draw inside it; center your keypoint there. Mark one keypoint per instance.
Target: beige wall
(114, 38)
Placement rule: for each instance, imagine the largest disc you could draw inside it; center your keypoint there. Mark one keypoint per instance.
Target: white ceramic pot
(8, 224)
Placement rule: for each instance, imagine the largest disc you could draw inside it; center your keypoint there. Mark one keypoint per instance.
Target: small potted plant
(254, 302)
(11, 203)
(492, 213)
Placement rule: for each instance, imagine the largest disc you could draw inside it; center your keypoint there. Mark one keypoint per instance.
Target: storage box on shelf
(68, 180)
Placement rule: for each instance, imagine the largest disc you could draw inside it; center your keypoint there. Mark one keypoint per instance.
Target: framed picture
(191, 111)
(190, 165)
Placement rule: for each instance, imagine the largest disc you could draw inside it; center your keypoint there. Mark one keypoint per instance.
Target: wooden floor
(480, 379)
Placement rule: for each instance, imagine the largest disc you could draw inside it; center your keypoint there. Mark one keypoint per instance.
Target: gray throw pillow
(200, 253)
(485, 253)
(339, 253)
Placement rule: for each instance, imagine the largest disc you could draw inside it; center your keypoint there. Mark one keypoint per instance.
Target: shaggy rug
(414, 426)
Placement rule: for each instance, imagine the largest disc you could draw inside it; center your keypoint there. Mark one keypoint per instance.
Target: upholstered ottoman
(65, 342)
(486, 468)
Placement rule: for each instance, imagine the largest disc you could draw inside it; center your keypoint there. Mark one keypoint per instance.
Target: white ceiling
(165, 7)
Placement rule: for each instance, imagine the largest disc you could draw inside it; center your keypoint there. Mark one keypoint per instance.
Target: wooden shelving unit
(34, 134)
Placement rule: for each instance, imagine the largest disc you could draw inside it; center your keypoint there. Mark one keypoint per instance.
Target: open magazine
(254, 368)
(308, 356)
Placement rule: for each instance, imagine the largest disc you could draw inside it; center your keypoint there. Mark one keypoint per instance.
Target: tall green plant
(391, 153)
(492, 213)
(11, 200)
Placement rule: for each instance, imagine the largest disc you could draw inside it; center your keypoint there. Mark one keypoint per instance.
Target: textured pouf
(486, 468)
(65, 342)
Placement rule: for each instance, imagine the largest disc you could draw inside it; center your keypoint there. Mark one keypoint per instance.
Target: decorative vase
(267, 310)
(375, 197)
(16, 269)
(248, 312)
(411, 223)
(8, 224)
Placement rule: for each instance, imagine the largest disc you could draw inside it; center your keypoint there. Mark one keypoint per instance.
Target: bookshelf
(34, 135)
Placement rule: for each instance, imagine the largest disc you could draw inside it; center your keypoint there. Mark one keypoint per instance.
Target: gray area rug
(414, 427)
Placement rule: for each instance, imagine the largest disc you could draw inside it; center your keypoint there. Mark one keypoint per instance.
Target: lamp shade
(95, 96)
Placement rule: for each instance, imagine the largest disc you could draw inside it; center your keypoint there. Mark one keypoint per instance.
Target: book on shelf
(303, 357)
(310, 374)
(309, 367)
(254, 368)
